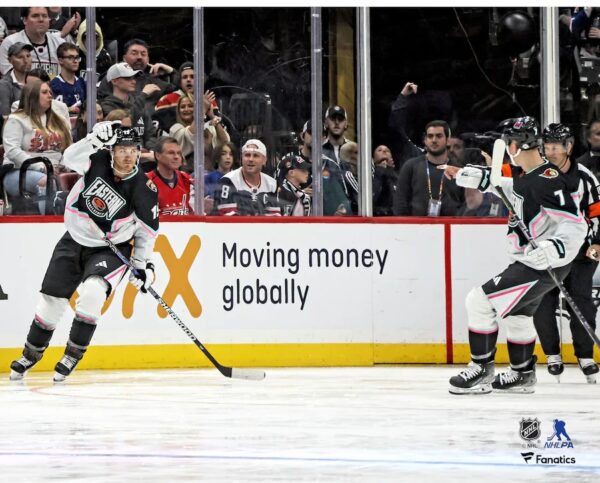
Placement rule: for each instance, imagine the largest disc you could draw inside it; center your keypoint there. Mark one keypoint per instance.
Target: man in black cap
(19, 56)
(336, 123)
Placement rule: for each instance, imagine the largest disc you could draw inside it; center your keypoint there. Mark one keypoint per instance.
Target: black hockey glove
(144, 276)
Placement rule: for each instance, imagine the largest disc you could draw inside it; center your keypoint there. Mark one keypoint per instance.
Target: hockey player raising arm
(113, 198)
(542, 199)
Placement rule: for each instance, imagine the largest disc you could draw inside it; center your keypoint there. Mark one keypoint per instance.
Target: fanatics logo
(549, 173)
(101, 200)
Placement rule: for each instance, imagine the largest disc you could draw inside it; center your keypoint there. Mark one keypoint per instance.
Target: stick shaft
(225, 370)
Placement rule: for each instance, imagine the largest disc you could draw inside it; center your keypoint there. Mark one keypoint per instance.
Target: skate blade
(16, 376)
(480, 389)
(591, 379)
(516, 390)
(59, 378)
(557, 377)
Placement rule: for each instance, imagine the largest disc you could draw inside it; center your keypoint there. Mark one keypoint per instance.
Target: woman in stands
(33, 130)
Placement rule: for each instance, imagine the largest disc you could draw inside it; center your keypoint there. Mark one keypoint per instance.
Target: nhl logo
(529, 429)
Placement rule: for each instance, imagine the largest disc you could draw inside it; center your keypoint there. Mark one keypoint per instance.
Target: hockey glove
(103, 134)
(546, 255)
(476, 177)
(143, 277)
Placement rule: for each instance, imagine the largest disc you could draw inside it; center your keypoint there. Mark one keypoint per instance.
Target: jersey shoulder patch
(150, 184)
(549, 173)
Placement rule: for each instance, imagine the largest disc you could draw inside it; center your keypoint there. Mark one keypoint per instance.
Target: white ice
(376, 424)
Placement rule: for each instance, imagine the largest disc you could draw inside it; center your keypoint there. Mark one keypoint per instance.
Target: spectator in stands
(57, 19)
(223, 162)
(175, 188)
(36, 75)
(137, 56)
(81, 128)
(591, 159)
(123, 80)
(403, 148)
(185, 128)
(385, 180)
(19, 56)
(336, 124)
(166, 107)
(292, 199)
(456, 151)
(66, 86)
(247, 190)
(422, 189)
(3, 29)
(36, 23)
(34, 130)
(349, 154)
(339, 185)
(103, 58)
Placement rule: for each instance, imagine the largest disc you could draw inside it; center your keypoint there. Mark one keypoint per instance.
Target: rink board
(263, 293)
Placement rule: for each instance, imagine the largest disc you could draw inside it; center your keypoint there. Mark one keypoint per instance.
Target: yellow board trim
(163, 356)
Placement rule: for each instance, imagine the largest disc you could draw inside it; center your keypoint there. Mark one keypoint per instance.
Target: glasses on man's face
(75, 58)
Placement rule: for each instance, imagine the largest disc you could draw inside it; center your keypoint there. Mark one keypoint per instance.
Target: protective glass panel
(470, 68)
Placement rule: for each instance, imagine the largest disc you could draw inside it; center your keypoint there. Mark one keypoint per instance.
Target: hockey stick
(495, 180)
(252, 374)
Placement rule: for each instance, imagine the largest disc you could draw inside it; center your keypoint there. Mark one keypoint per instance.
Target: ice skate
(555, 366)
(19, 368)
(589, 369)
(67, 364)
(517, 381)
(475, 379)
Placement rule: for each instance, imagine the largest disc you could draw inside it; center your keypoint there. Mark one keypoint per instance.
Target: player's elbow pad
(475, 177)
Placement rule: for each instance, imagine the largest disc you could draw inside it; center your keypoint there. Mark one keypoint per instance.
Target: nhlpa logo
(101, 200)
(529, 429)
(559, 433)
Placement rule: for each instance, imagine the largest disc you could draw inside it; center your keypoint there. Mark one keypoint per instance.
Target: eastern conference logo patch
(530, 430)
(101, 200)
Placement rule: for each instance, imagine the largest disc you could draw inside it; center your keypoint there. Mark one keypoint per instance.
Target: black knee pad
(38, 337)
(81, 333)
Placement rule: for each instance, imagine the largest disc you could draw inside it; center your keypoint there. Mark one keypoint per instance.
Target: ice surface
(383, 423)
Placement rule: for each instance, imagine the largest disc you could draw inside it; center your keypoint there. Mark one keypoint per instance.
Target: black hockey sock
(483, 346)
(81, 333)
(520, 354)
(38, 337)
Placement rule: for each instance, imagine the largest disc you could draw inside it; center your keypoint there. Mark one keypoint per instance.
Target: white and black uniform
(544, 200)
(124, 209)
(579, 280)
(235, 196)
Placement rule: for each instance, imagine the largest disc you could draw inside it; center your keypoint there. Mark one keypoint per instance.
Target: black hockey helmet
(524, 130)
(127, 136)
(557, 133)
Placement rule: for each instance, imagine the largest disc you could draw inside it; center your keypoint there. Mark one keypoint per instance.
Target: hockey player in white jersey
(558, 144)
(114, 199)
(542, 199)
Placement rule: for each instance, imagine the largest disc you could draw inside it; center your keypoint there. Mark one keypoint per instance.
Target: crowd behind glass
(441, 88)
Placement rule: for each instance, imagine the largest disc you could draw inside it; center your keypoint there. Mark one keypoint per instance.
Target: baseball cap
(333, 111)
(122, 69)
(15, 48)
(185, 66)
(293, 161)
(249, 148)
